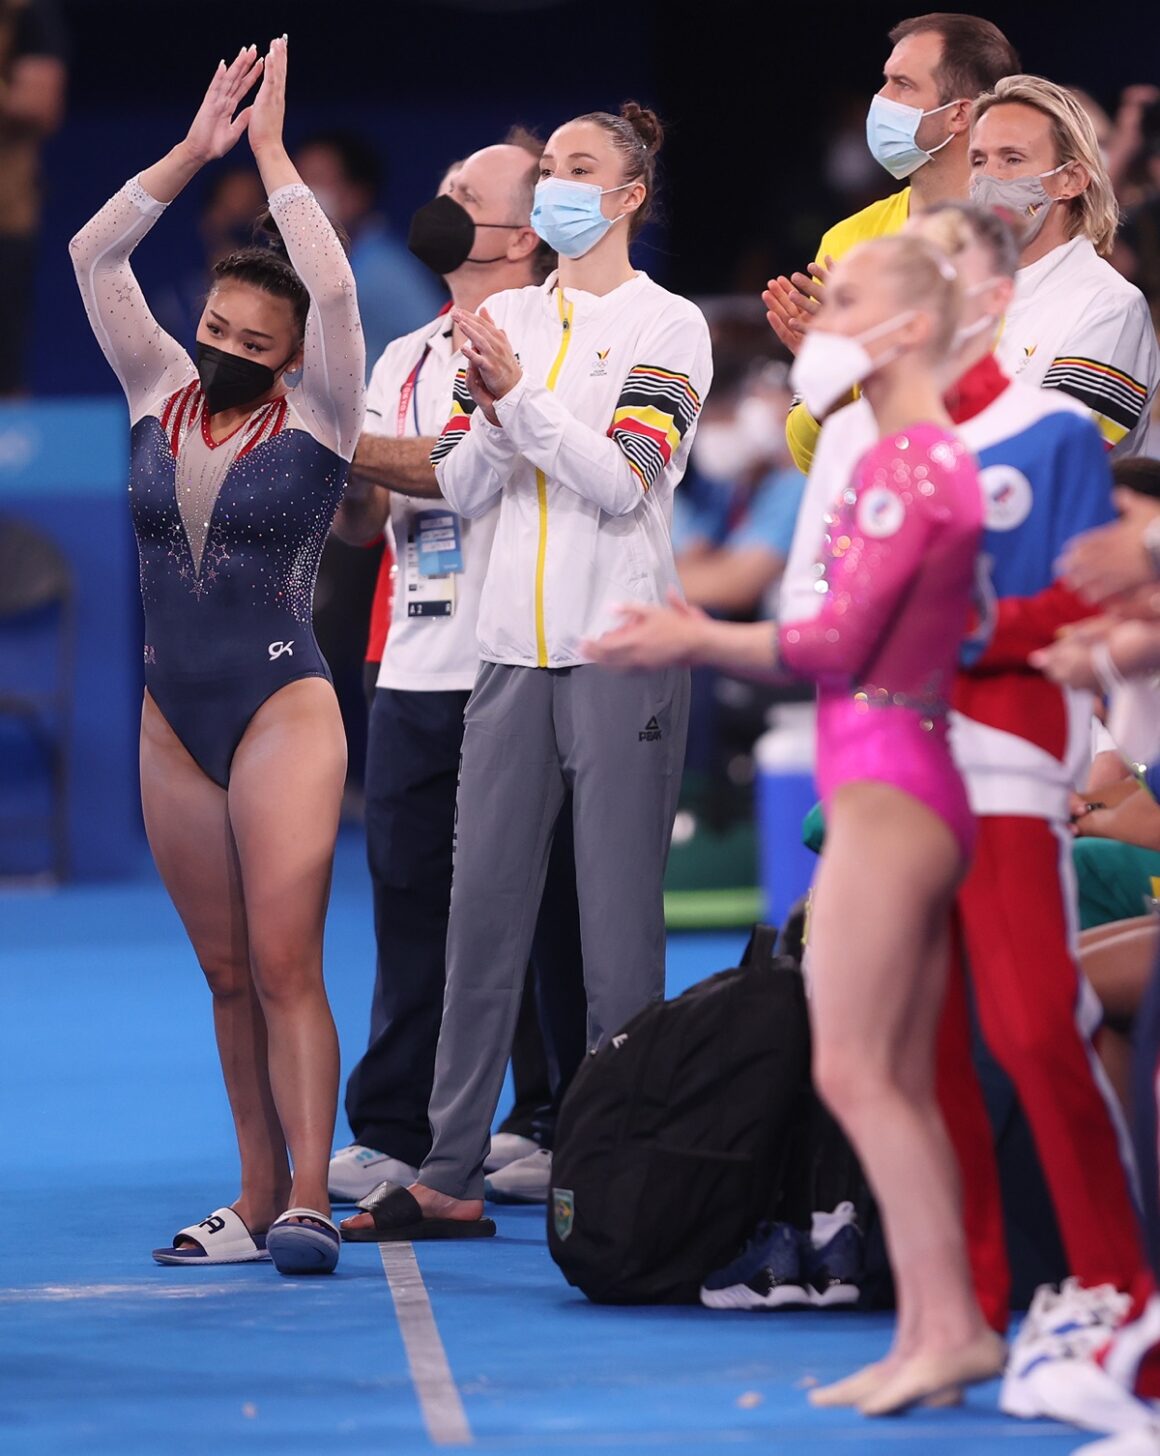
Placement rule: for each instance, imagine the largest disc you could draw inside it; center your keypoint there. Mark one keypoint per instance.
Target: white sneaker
(1144, 1441)
(1052, 1371)
(508, 1147)
(1072, 1309)
(1061, 1381)
(527, 1180)
(356, 1170)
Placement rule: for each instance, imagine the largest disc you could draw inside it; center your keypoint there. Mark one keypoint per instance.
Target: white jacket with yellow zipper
(592, 442)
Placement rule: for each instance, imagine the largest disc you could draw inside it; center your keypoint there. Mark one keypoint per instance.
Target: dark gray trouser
(530, 734)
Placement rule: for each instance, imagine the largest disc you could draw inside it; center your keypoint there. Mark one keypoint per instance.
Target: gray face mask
(1025, 199)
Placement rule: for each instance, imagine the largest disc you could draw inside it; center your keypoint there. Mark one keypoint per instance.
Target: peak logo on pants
(651, 732)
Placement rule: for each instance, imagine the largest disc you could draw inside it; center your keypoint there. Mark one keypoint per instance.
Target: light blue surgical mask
(891, 129)
(567, 215)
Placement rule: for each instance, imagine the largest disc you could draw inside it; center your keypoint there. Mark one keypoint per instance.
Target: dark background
(752, 95)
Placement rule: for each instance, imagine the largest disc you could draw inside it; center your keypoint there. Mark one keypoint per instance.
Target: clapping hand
(791, 302)
(649, 637)
(215, 128)
(492, 367)
(269, 108)
(1112, 559)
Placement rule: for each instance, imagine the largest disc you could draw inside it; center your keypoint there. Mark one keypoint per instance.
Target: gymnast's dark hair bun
(265, 264)
(647, 125)
(267, 234)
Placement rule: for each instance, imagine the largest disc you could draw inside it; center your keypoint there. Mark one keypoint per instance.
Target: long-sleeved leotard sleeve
(875, 544)
(149, 364)
(332, 396)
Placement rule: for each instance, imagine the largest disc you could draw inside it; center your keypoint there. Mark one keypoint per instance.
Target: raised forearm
(176, 169)
(275, 167)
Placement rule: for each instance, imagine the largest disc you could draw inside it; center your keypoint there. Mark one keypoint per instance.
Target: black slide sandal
(399, 1220)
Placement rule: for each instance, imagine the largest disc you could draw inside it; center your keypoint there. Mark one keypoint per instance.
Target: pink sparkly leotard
(894, 590)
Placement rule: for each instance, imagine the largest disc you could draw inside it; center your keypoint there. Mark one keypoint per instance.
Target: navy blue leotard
(229, 534)
(223, 633)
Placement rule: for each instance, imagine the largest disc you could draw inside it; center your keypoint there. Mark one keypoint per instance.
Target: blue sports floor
(114, 1132)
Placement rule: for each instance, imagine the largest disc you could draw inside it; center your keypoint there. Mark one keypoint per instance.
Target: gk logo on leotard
(276, 649)
(1006, 497)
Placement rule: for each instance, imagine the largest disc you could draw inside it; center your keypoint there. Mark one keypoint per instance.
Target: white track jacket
(592, 442)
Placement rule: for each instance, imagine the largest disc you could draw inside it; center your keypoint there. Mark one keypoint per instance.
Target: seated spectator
(396, 293)
(1117, 849)
(733, 542)
(1117, 822)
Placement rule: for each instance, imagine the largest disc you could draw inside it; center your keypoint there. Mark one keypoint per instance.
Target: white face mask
(828, 366)
(727, 450)
(966, 332)
(891, 129)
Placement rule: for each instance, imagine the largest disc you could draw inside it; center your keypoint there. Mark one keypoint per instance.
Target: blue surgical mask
(567, 215)
(891, 129)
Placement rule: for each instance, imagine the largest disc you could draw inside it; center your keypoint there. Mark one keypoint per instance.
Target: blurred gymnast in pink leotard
(893, 596)
(893, 593)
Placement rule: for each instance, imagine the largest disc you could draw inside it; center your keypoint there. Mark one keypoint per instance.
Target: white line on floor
(434, 1385)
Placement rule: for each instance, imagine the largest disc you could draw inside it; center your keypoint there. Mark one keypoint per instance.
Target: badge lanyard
(433, 549)
(409, 396)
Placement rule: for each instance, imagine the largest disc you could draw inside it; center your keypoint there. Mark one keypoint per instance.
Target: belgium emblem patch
(563, 1211)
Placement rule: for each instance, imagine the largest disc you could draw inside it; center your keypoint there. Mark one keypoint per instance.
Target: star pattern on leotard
(214, 558)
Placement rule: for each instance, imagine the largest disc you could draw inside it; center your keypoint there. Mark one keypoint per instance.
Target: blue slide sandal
(307, 1247)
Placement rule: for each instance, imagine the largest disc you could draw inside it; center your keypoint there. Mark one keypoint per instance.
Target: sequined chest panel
(239, 534)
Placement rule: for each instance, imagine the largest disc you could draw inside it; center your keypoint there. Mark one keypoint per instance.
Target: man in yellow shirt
(917, 128)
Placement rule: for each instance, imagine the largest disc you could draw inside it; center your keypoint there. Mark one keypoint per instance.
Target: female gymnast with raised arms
(234, 479)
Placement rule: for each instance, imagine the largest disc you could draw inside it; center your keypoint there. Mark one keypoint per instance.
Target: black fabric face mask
(442, 235)
(229, 380)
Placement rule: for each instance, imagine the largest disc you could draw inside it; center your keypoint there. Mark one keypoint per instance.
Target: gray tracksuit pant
(531, 733)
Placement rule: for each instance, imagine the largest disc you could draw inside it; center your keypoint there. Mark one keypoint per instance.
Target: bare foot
(931, 1378)
(440, 1205)
(857, 1387)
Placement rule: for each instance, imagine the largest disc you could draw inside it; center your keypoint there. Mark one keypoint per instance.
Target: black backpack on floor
(670, 1141)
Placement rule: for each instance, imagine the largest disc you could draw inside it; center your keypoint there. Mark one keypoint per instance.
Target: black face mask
(442, 235)
(229, 380)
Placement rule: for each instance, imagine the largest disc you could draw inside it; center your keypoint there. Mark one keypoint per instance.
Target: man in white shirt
(476, 234)
(1075, 323)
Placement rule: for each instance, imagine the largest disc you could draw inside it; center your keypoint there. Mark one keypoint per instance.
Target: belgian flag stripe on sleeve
(1108, 392)
(655, 409)
(459, 421)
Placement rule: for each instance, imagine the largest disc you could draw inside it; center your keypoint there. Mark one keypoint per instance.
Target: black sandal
(399, 1219)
